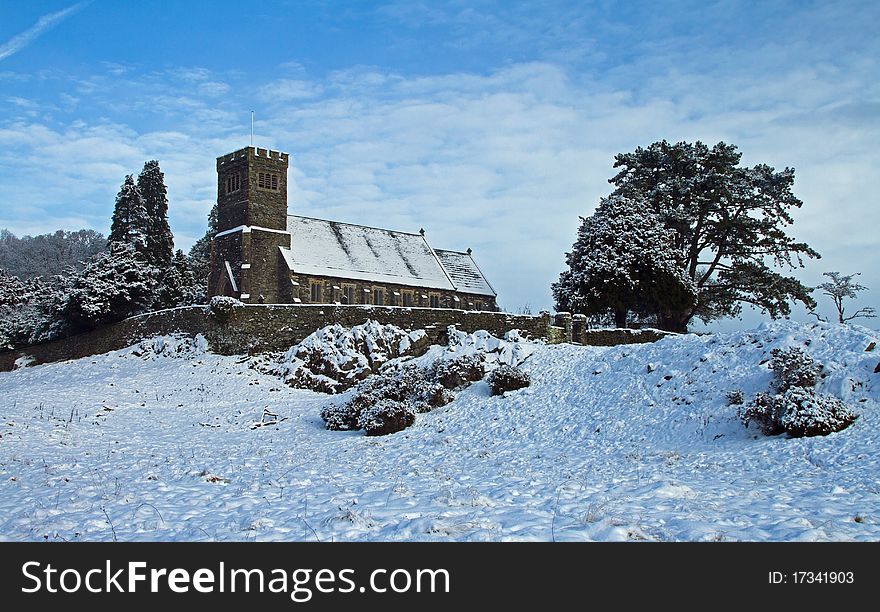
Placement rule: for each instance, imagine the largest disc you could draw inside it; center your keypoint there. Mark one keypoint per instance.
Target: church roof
(330, 248)
(464, 272)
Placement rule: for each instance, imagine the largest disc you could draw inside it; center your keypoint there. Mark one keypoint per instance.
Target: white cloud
(44, 23)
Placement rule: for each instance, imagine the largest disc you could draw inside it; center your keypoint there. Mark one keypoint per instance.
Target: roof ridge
(357, 225)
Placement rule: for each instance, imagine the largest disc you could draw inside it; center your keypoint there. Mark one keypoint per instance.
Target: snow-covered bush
(458, 373)
(807, 413)
(735, 398)
(793, 367)
(386, 417)
(335, 358)
(766, 411)
(175, 345)
(222, 307)
(507, 378)
(796, 408)
(410, 385)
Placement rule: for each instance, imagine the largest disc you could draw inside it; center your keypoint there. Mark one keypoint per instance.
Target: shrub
(808, 413)
(735, 398)
(222, 308)
(793, 368)
(766, 410)
(410, 385)
(507, 378)
(458, 373)
(340, 417)
(798, 412)
(386, 417)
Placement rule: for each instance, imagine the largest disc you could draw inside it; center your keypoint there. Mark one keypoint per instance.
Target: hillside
(637, 442)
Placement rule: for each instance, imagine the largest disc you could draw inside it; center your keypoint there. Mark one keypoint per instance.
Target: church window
(435, 300)
(233, 183)
(379, 297)
(316, 293)
(348, 294)
(408, 298)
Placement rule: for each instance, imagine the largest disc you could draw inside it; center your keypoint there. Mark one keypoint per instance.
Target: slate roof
(464, 272)
(330, 248)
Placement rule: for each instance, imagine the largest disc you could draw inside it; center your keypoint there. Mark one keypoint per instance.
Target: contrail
(19, 42)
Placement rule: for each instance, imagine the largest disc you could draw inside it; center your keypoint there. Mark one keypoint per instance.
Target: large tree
(115, 284)
(729, 224)
(160, 241)
(130, 224)
(623, 261)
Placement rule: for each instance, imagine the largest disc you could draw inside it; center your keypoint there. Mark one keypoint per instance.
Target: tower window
(267, 180)
(233, 183)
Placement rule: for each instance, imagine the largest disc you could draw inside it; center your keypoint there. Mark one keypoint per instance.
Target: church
(263, 255)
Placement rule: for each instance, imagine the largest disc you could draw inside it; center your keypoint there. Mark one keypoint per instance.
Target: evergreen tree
(130, 223)
(160, 240)
(728, 221)
(177, 286)
(112, 286)
(200, 253)
(622, 261)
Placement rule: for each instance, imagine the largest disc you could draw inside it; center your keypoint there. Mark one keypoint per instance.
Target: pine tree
(160, 240)
(114, 285)
(622, 261)
(130, 223)
(200, 253)
(177, 286)
(729, 226)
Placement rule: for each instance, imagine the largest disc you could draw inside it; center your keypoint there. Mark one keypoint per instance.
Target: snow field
(169, 442)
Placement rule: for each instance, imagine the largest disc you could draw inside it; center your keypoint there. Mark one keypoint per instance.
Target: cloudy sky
(493, 125)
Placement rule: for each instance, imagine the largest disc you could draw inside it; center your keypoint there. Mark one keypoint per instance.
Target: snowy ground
(145, 447)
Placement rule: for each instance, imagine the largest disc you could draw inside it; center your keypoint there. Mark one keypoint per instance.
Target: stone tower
(252, 224)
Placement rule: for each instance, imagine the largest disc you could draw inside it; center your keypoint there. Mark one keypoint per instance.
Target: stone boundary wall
(261, 328)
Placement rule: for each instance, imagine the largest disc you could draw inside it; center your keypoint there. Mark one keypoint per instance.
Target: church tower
(252, 225)
(252, 189)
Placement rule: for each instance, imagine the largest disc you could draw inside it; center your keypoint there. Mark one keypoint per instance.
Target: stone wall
(259, 328)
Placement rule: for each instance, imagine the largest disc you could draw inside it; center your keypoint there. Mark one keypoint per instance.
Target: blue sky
(491, 124)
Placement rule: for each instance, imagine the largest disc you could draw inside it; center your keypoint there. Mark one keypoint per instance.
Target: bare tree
(841, 288)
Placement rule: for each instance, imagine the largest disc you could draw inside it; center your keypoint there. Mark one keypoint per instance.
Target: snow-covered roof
(464, 272)
(330, 248)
